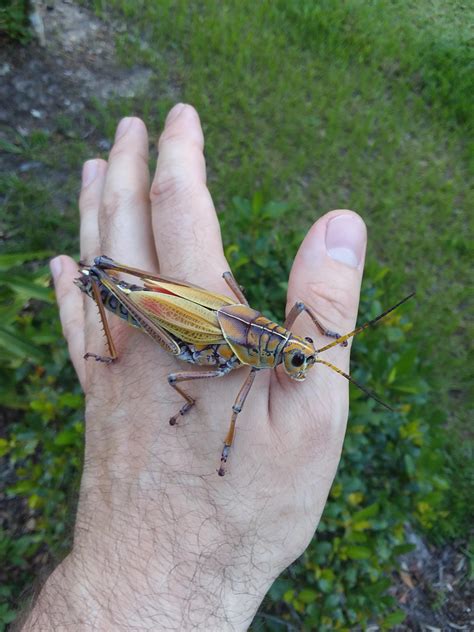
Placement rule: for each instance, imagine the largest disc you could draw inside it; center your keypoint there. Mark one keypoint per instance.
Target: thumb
(327, 274)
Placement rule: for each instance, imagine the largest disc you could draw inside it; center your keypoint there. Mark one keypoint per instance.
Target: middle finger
(124, 217)
(187, 232)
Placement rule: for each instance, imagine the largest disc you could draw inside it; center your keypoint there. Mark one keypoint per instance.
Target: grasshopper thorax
(298, 356)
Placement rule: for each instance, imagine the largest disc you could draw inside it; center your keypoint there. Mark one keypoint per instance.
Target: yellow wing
(187, 320)
(191, 293)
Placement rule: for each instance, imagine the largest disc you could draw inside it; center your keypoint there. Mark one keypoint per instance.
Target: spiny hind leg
(300, 307)
(108, 335)
(236, 408)
(186, 376)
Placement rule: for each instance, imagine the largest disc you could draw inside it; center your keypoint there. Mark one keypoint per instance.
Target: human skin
(161, 542)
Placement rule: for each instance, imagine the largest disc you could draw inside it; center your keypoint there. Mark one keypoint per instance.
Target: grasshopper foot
(182, 412)
(224, 456)
(99, 358)
(334, 334)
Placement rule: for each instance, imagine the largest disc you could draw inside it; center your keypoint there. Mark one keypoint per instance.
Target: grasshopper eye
(308, 339)
(297, 359)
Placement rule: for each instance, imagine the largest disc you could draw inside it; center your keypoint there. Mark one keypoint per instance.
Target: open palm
(151, 502)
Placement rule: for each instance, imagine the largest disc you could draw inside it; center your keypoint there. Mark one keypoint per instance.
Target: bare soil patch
(38, 83)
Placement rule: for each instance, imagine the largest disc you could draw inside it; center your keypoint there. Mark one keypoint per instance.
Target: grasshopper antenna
(351, 379)
(356, 331)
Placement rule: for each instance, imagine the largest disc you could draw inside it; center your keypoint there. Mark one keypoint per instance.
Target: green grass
(340, 105)
(320, 105)
(325, 105)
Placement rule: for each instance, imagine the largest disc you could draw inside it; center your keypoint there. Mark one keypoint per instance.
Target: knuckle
(170, 185)
(335, 304)
(90, 192)
(123, 198)
(70, 310)
(64, 292)
(172, 135)
(109, 206)
(124, 152)
(71, 326)
(88, 201)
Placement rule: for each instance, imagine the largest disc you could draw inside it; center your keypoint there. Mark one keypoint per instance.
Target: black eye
(310, 340)
(297, 359)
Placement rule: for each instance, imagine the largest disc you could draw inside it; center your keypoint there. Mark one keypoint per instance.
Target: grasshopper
(211, 330)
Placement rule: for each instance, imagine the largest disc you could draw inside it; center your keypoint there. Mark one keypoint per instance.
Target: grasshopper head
(299, 355)
(84, 281)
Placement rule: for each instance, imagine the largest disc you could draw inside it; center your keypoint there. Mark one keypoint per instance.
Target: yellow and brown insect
(207, 329)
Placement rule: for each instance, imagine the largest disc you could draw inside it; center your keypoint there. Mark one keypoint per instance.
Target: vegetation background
(306, 106)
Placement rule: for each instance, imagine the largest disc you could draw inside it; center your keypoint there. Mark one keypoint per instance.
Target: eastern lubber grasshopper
(207, 329)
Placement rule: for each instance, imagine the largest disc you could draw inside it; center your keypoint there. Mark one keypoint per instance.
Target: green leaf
(400, 549)
(307, 595)
(379, 587)
(257, 202)
(18, 347)
(9, 313)
(393, 619)
(358, 552)
(4, 447)
(9, 261)
(71, 400)
(9, 148)
(275, 210)
(368, 512)
(67, 437)
(28, 288)
(325, 585)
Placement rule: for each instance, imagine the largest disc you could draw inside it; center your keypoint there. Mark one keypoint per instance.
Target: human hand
(162, 542)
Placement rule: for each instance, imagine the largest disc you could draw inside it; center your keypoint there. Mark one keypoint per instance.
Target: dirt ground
(38, 84)
(77, 63)
(432, 587)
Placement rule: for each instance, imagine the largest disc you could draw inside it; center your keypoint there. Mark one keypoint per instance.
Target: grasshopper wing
(167, 285)
(186, 320)
(152, 328)
(196, 295)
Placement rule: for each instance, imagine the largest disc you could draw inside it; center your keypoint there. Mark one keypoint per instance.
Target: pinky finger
(71, 311)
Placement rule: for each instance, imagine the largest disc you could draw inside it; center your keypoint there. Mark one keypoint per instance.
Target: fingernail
(56, 267)
(123, 126)
(345, 239)
(89, 172)
(174, 113)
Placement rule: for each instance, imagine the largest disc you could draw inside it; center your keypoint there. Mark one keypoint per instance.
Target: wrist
(78, 596)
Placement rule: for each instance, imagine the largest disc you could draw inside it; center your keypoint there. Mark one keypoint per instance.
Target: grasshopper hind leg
(108, 336)
(186, 376)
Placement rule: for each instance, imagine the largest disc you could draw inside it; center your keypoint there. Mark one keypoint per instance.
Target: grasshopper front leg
(235, 287)
(300, 307)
